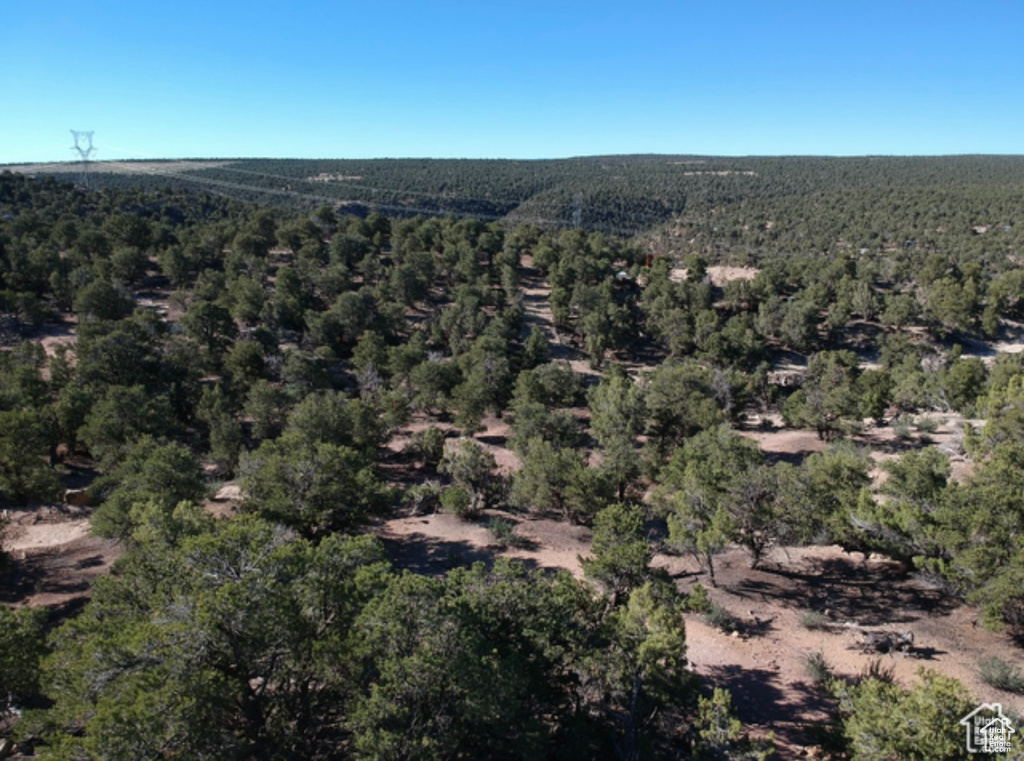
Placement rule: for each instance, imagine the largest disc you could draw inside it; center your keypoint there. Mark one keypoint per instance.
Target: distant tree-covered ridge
(747, 206)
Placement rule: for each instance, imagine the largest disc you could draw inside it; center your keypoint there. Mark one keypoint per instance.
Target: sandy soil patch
(786, 444)
(225, 502)
(882, 443)
(34, 536)
(229, 492)
(437, 542)
(719, 274)
(763, 663)
(1008, 347)
(62, 334)
(52, 335)
(433, 544)
(552, 544)
(1011, 341)
(494, 438)
(55, 559)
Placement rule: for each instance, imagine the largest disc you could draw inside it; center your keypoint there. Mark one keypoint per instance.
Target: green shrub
(427, 445)
(698, 601)
(878, 671)
(423, 498)
(817, 668)
(879, 719)
(503, 531)
(720, 734)
(456, 500)
(814, 620)
(720, 618)
(995, 672)
(901, 427)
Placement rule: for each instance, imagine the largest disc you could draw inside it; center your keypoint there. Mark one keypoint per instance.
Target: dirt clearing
(54, 558)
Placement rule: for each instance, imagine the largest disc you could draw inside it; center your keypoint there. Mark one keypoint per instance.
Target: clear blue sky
(510, 79)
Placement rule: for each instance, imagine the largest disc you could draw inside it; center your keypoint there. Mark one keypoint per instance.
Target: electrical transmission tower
(84, 148)
(577, 211)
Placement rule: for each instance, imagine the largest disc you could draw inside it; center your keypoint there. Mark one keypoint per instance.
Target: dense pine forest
(808, 204)
(338, 341)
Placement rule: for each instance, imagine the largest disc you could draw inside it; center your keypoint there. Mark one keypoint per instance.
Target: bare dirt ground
(881, 441)
(54, 558)
(494, 438)
(225, 502)
(719, 275)
(1009, 339)
(784, 443)
(59, 334)
(437, 542)
(764, 662)
(537, 313)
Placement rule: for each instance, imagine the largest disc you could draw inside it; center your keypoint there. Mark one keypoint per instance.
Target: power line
(577, 208)
(84, 148)
(378, 189)
(358, 186)
(223, 186)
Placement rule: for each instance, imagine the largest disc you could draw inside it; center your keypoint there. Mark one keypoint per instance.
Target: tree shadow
(926, 653)
(404, 468)
(897, 446)
(791, 458)
(50, 572)
(65, 611)
(521, 543)
(77, 476)
(14, 329)
(863, 338)
(513, 519)
(756, 626)
(656, 530)
(433, 556)
(785, 357)
(971, 346)
(913, 651)
(795, 714)
(494, 440)
(755, 692)
(12, 581)
(870, 594)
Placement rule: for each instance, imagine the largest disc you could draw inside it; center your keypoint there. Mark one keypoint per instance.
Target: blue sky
(510, 80)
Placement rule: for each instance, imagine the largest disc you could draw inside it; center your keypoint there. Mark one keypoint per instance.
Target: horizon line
(695, 156)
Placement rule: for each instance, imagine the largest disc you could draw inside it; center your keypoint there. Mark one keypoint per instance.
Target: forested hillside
(342, 344)
(749, 206)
